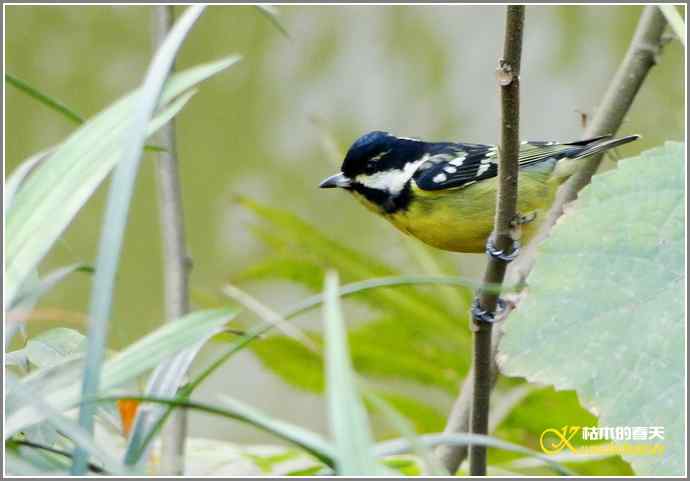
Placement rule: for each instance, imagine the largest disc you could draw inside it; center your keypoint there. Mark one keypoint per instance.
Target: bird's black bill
(337, 180)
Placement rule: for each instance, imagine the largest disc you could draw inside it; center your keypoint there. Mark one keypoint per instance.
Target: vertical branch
(641, 56)
(176, 261)
(506, 203)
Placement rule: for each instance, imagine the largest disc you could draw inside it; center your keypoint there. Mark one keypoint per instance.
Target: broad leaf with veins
(604, 314)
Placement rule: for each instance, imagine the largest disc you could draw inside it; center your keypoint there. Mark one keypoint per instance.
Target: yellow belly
(461, 220)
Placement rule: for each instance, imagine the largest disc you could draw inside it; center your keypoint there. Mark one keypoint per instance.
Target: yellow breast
(461, 220)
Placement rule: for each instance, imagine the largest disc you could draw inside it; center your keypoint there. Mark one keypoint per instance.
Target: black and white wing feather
(457, 165)
(449, 165)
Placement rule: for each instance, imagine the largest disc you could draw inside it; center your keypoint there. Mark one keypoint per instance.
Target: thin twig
(641, 56)
(506, 203)
(176, 260)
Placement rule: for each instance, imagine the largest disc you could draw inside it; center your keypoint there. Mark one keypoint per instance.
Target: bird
(444, 193)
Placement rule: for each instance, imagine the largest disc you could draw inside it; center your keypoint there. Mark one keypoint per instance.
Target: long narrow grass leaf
(269, 315)
(165, 381)
(347, 416)
(47, 201)
(399, 446)
(19, 174)
(233, 409)
(49, 281)
(79, 436)
(357, 287)
(126, 365)
(404, 427)
(237, 345)
(270, 12)
(115, 219)
(45, 99)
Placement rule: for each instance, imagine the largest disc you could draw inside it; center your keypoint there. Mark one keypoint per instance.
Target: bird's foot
(480, 315)
(523, 219)
(499, 254)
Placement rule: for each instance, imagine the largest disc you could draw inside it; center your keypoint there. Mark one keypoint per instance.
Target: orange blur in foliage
(128, 410)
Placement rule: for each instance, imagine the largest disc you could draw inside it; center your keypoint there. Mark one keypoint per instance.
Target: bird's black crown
(379, 151)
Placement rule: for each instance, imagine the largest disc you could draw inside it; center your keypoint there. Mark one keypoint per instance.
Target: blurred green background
(269, 127)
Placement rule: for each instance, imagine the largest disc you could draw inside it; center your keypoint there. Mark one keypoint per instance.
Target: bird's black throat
(390, 203)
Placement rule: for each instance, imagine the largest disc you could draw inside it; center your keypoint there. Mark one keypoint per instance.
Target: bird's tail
(601, 144)
(567, 166)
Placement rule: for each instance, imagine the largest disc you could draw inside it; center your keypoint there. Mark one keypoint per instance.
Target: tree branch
(506, 203)
(639, 59)
(176, 261)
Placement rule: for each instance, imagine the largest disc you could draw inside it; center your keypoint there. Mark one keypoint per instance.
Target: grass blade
(47, 201)
(357, 287)
(73, 431)
(236, 410)
(20, 173)
(164, 382)
(269, 316)
(115, 219)
(270, 13)
(46, 100)
(138, 358)
(47, 283)
(347, 416)
(399, 446)
(404, 427)
(306, 439)
(189, 388)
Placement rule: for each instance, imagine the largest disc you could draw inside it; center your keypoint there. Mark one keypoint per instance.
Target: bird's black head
(378, 166)
(368, 154)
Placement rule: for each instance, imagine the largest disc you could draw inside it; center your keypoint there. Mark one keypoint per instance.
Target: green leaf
(164, 381)
(405, 429)
(233, 409)
(424, 417)
(187, 390)
(19, 174)
(271, 13)
(117, 211)
(34, 292)
(292, 362)
(399, 446)
(346, 413)
(308, 440)
(79, 436)
(388, 348)
(292, 238)
(54, 346)
(46, 100)
(605, 314)
(138, 358)
(59, 186)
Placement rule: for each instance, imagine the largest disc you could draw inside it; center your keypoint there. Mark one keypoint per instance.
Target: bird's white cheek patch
(393, 180)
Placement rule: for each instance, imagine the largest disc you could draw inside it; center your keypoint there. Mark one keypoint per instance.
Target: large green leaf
(604, 314)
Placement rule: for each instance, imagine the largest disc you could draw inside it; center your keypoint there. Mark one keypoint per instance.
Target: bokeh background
(274, 125)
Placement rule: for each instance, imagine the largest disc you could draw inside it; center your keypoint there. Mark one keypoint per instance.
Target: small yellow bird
(444, 193)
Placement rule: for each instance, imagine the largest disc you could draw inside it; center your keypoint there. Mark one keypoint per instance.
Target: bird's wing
(458, 165)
